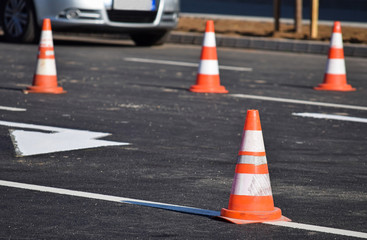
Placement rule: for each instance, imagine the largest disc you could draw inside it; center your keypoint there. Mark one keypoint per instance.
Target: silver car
(148, 22)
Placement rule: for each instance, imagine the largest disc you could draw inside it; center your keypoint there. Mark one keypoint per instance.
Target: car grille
(131, 16)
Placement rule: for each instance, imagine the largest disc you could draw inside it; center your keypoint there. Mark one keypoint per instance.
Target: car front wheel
(18, 21)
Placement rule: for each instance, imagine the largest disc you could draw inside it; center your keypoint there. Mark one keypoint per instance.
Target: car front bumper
(100, 15)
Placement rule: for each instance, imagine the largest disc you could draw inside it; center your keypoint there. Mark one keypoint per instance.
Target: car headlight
(108, 4)
(172, 5)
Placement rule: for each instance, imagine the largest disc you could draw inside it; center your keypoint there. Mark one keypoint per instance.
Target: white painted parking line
(184, 64)
(319, 229)
(331, 116)
(295, 101)
(110, 198)
(27, 143)
(171, 207)
(12, 109)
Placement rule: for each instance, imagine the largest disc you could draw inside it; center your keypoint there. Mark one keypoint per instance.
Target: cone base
(206, 89)
(244, 217)
(36, 89)
(240, 221)
(333, 87)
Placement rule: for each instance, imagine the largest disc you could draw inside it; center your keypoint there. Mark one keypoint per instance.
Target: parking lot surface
(182, 146)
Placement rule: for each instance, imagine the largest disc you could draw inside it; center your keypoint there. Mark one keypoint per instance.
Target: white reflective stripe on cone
(251, 185)
(46, 39)
(49, 53)
(252, 141)
(335, 66)
(336, 40)
(209, 67)
(209, 39)
(249, 159)
(46, 67)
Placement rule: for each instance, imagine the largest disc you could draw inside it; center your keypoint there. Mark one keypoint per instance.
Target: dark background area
(332, 10)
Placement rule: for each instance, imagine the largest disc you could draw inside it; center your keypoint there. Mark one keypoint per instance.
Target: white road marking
(27, 143)
(319, 229)
(286, 100)
(171, 207)
(184, 64)
(12, 109)
(108, 198)
(330, 116)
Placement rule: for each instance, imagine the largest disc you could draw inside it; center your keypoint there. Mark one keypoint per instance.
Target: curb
(259, 43)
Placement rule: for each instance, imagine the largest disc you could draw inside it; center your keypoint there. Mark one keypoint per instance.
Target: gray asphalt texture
(184, 145)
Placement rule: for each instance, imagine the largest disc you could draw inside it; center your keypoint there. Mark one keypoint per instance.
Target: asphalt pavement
(183, 145)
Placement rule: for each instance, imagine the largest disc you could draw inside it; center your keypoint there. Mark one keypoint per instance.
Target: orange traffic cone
(45, 79)
(251, 199)
(335, 78)
(207, 80)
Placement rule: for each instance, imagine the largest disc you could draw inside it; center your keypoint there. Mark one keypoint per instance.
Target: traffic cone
(45, 78)
(251, 199)
(207, 80)
(335, 78)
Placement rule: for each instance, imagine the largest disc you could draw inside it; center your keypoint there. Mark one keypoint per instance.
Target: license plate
(138, 5)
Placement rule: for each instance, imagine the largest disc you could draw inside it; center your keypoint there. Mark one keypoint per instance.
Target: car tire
(149, 38)
(18, 21)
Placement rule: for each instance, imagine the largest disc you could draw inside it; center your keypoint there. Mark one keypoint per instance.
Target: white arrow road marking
(172, 207)
(330, 116)
(27, 143)
(184, 64)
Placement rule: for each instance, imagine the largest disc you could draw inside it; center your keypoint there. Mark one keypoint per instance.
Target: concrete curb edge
(259, 43)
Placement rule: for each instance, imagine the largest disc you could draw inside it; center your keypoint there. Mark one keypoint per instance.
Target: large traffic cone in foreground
(45, 78)
(251, 199)
(335, 78)
(207, 80)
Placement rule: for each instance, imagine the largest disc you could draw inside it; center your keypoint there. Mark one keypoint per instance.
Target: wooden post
(298, 16)
(314, 18)
(277, 15)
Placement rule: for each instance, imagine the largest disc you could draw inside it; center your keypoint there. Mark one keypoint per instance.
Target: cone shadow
(296, 86)
(159, 86)
(12, 89)
(175, 208)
